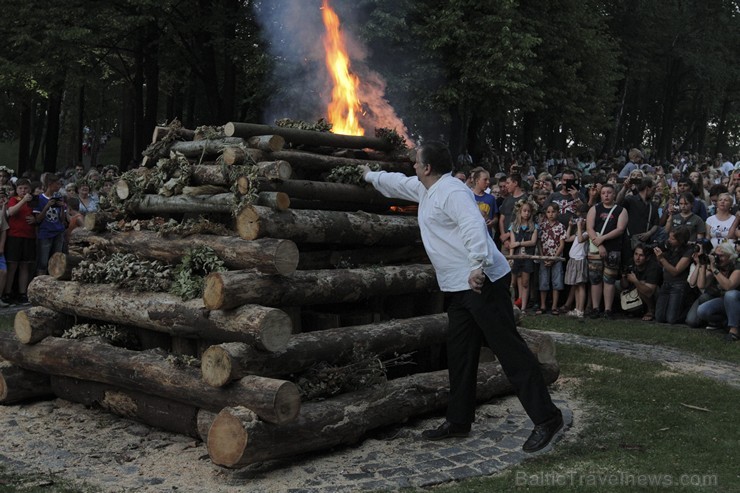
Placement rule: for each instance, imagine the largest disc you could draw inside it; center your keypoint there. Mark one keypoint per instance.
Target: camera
(659, 244)
(704, 248)
(629, 269)
(569, 184)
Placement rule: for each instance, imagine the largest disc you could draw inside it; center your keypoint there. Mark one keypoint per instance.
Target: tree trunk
(277, 201)
(151, 410)
(268, 255)
(98, 221)
(52, 131)
(224, 290)
(200, 148)
(307, 137)
(19, 385)
(237, 438)
(330, 227)
(267, 328)
(328, 192)
(276, 401)
(269, 143)
(331, 259)
(319, 163)
(239, 155)
(223, 363)
(62, 264)
(38, 323)
(181, 133)
(222, 203)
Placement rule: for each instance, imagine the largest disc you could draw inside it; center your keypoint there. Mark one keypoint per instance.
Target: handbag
(630, 300)
(634, 241)
(593, 250)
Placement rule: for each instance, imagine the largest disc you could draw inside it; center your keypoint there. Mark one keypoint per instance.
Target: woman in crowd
(720, 224)
(675, 261)
(20, 248)
(88, 203)
(722, 274)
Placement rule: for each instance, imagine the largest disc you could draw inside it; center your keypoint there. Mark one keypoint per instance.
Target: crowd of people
(629, 235)
(38, 214)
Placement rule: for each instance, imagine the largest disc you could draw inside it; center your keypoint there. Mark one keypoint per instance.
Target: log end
(229, 129)
(22, 326)
(213, 291)
(287, 403)
(242, 185)
(3, 388)
(284, 170)
(276, 331)
(248, 223)
(216, 366)
(286, 258)
(228, 436)
(122, 189)
(58, 266)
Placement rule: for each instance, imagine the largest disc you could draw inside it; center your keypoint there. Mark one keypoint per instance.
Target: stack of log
(320, 273)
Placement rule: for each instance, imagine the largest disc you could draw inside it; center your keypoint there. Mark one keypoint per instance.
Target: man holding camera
(49, 213)
(567, 198)
(642, 214)
(643, 274)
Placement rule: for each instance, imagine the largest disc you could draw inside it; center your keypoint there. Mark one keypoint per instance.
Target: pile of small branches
(350, 174)
(361, 371)
(210, 132)
(191, 226)
(126, 271)
(190, 273)
(110, 333)
(157, 148)
(320, 126)
(173, 174)
(392, 136)
(153, 224)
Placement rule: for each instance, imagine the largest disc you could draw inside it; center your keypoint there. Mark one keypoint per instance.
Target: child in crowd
(75, 219)
(21, 242)
(524, 239)
(50, 216)
(3, 236)
(552, 242)
(576, 272)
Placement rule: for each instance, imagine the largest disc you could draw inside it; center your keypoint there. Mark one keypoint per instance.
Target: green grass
(636, 426)
(703, 343)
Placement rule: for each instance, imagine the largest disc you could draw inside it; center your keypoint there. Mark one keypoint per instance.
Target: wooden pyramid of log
(316, 271)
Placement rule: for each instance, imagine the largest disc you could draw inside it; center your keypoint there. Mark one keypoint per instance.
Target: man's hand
(476, 279)
(365, 170)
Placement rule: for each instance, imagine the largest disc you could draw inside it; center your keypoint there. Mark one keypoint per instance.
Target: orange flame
(345, 106)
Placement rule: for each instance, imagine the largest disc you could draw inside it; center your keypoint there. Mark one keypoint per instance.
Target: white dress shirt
(452, 228)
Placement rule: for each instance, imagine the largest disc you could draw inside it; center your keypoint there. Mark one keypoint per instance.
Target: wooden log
(328, 192)
(98, 221)
(61, 265)
(319, 163)
(224, 290)
(37, 323)
(223, 363)
(215, 175)
(276, 401)
(234, 156)
(330, 227)
(181, 133)
(200, 148)
(267, 328)
(323, 205)
(307, 137)
(277, 201)
(270, 143)
(222, 203)
(18, 384)
(329, 259)
(267, 254)
(151, 410)
(274, 170)
(237, 438)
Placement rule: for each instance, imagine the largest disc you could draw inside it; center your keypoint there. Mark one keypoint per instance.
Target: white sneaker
(575, 313)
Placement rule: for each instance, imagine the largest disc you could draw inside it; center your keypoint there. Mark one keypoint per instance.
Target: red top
(19, 228)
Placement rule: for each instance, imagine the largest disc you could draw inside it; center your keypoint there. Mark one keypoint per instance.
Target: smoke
(302, 86)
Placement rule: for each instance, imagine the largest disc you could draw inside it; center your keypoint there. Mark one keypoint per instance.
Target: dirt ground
(66, 440)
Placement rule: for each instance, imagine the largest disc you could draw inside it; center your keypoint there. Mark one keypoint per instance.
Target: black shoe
(23, 300)
(594, 314)
(447, 430)
(608, 315)
(543, 434)
(7, 300)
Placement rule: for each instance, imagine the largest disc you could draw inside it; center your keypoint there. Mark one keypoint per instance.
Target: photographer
(50, 216)
(567, 198)
(674, 258)
(644, 275)
(642, 215)
(722, 276)
(681, 215)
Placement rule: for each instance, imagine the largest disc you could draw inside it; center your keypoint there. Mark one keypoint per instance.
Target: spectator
(720, 224)
(642, 215)
(486, 202)
(50, 216)
(513, 185)
(643, 274)
(681, 215)
(605, 224)
(636, 157)
(552, 243)
(20, 247)
(3, 235)
(523, 234)
(674, 292)
(576, 270)
(88, 203)
(567, 197)
(723, 272)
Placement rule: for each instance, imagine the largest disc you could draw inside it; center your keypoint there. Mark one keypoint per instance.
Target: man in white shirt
(477, 276)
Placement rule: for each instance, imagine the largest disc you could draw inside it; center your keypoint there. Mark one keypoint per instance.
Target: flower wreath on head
(83, 182)
(110, 167)
(9, 171)
(520, 203)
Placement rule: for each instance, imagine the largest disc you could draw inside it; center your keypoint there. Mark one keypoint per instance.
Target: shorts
(3, 265)
(20, 249)
(551, 277)
(598, 272)
(522, 265)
